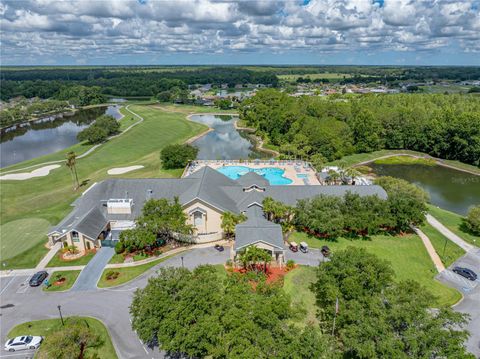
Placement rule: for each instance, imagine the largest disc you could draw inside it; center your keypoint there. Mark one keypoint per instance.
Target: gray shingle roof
(252, 178)
(257, 229)
(91, 224)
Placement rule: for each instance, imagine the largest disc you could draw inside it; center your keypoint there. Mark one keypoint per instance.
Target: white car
(23, 342)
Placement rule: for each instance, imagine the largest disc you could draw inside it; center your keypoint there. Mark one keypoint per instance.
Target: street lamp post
(60, 311)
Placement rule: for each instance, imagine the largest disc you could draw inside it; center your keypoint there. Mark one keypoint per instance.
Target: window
(75, 237)
(197, 219)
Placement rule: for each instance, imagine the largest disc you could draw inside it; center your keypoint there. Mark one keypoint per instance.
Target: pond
(47, 135)
(449, 189)
(225, 142)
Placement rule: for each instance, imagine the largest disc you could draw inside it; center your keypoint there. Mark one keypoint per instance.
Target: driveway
(89, 276)
(312, 258)
(471, 295)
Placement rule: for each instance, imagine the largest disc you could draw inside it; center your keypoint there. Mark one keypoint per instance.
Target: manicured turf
(406, 254)
(70, 278)
(56, 261)
(405, 160)
(297, 284)
(453, 222)
(27, 259)
(126, 274)
(21, 235)
(448, 251)
(45, 327)
(363, 157)
(49, 198)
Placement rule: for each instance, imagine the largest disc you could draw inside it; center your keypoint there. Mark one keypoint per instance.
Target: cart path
(449, 234)
(431, 251)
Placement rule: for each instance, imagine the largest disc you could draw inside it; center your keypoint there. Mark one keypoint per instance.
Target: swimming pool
(274, 175)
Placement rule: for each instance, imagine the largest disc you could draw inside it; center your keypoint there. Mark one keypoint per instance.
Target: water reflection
(450, 189)
(47, 135)
(224, 142)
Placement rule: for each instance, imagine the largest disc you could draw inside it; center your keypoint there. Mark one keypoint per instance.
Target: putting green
(20, 235)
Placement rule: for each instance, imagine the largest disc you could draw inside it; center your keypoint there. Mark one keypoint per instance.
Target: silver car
(23, 342)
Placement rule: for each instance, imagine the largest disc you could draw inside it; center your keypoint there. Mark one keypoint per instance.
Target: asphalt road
(471, 295)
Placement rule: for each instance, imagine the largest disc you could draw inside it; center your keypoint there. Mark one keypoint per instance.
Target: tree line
(46, 83)
(444, 126)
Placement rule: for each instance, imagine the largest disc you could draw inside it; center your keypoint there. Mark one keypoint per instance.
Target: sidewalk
(431, 251)
(449, 234)
(48, 257)
(31, 271)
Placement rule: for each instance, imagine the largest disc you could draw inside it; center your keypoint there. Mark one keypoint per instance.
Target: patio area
(298, 172)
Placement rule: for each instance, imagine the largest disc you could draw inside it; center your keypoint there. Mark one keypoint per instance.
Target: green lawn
(47, 326)
(453, 222)
(126, 274)
(21, 235)
(27, 259)
(406, 254)
(49, 198)
(448, 251)
(297, 284)
(57, 262)
(405, 160)
(364, 157)
(70, 278)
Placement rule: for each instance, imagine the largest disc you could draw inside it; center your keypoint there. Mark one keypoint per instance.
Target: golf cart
(304, 247)
(293, 247)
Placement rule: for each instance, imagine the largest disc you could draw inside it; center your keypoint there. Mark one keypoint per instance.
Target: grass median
(57, 261)
(61, 280)
(123, 275)
(407, 255)
(46, 327)
(448, 251)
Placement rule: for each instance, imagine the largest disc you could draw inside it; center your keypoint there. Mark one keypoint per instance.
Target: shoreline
(438, 161)
(257, 140)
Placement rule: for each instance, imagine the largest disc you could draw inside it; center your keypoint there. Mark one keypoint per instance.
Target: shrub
(228, 263)
(177, 156)
(472, 221)
(111, 275)
(93, 134)
(290, 264)
(119, 247)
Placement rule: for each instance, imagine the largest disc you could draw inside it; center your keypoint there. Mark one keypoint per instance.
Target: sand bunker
(122, 170)
(39, 172)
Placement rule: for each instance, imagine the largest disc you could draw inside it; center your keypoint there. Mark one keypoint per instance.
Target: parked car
(293, 247)
(23, 342)
(325, 251)
(304, 247)
(465, 272)
(219, 248)
(38, 278)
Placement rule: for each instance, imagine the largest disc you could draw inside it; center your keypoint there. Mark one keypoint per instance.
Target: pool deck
(291, 168)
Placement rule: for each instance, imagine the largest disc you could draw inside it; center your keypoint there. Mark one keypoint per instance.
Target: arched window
(197, 218)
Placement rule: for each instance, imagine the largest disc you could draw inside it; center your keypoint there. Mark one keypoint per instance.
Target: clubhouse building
(110, 206)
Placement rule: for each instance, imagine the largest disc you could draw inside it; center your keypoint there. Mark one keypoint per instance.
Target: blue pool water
(274, 175)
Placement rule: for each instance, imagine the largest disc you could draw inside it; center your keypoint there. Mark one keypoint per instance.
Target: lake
(449, 189)
(47, 135)
(225, 142)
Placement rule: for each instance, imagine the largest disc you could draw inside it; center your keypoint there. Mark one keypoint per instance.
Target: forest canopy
(444, 126)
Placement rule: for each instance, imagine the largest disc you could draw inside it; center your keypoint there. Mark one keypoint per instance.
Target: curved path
(86, 153)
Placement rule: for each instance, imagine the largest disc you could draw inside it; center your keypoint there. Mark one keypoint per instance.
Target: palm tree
(71, 164)
(254, 255)
(333, 176)
(352, 173)
(229, 221)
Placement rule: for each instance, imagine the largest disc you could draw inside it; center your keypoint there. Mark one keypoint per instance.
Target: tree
(229, 221)
(230, 318)
(93, 134)
(406, 202)
(252, 256)
(472, 221)
(135, 239)
(71, 163)
(380, 318)
(164, 218)
(70, 341)
(223, 103)
(164, 96)
(108, 123)
(177, 156)
(366, 131)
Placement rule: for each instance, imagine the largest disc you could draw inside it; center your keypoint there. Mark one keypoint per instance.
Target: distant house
(111, 206)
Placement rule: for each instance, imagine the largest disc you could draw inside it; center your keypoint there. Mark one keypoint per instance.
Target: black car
(465, 272)
(38, 278)
(219, 248)
(325, 251)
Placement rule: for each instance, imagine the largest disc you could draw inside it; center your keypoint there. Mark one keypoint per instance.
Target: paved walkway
(431, 251)
(88, 278)
(51, 253)
(449, 234)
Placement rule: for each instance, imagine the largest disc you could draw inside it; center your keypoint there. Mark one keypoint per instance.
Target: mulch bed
(274, 274)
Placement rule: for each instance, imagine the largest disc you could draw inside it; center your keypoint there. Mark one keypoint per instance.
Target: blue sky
(367, 32)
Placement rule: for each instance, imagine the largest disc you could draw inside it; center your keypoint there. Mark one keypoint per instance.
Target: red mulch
(274, 274)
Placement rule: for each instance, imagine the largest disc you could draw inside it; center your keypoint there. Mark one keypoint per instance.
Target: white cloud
(86, 28)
